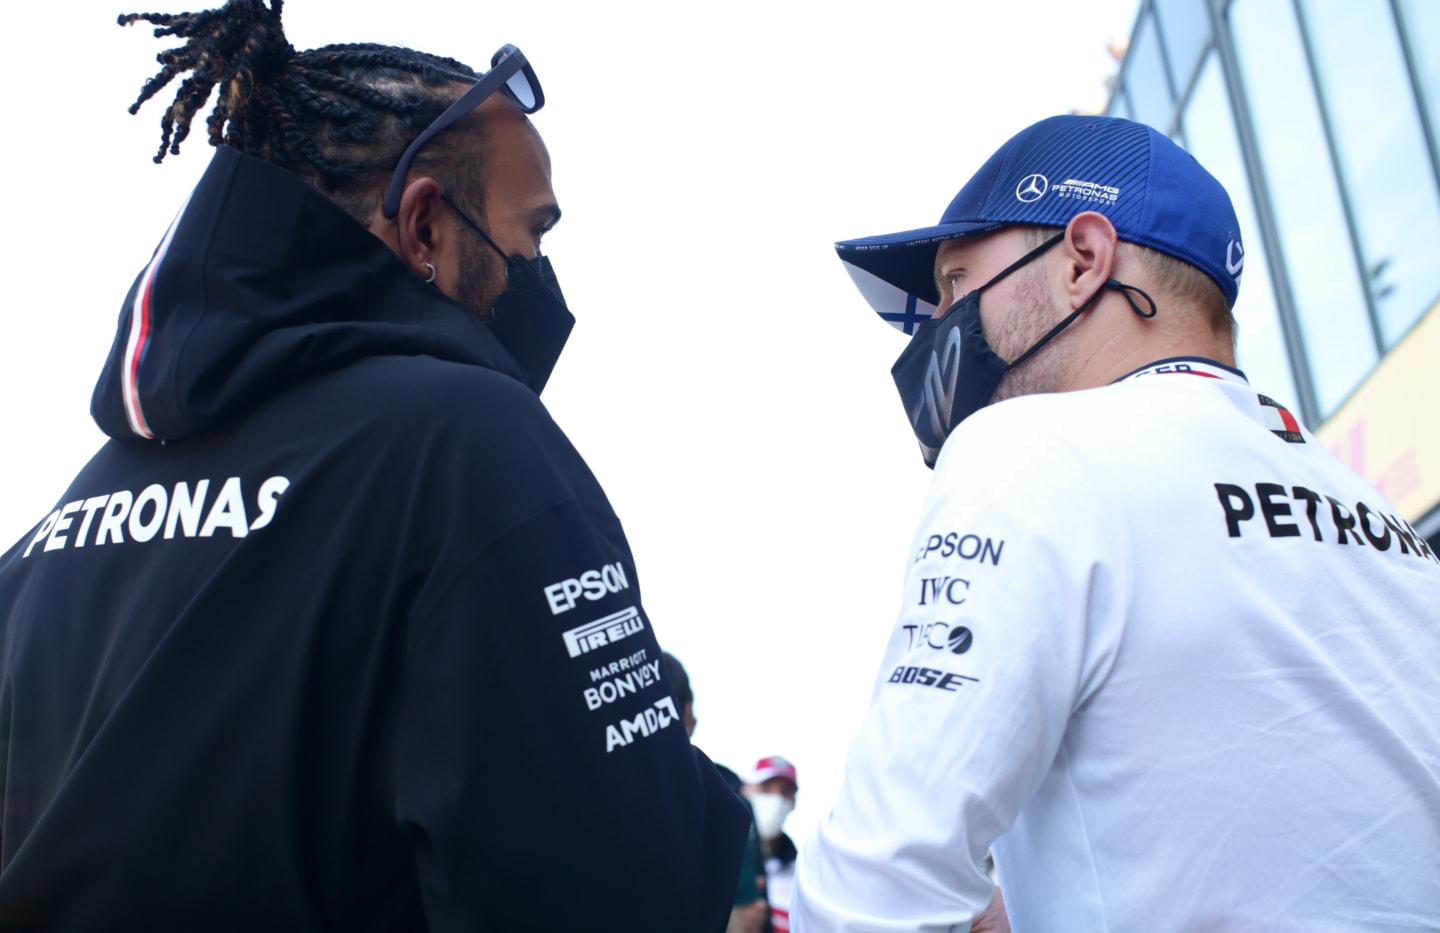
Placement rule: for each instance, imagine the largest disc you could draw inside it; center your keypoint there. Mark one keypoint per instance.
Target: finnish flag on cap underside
(900, 308)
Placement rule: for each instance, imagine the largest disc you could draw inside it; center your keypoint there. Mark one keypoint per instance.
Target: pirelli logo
(612, 628)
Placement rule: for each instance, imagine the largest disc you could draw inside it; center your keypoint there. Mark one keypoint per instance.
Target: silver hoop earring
(431, 279)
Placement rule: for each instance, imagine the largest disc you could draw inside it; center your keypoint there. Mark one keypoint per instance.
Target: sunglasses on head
(509, 73)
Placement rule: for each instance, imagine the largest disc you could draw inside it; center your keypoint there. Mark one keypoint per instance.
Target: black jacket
(358, 646)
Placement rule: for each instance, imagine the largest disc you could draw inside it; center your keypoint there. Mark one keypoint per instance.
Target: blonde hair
(1173, 276)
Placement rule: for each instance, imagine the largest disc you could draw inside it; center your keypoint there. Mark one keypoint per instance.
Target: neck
(1118, 342)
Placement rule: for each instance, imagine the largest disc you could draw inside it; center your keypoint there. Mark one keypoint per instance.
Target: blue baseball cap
(1154, 192)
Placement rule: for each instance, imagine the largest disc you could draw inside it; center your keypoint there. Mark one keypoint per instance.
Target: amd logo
(651, 720)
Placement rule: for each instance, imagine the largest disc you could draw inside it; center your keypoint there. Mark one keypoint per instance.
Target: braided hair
(339, 116)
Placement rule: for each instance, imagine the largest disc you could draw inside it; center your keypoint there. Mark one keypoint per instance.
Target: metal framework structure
(1220, 47)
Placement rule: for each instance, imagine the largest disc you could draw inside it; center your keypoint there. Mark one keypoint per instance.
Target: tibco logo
(940, 636)
(592, 585)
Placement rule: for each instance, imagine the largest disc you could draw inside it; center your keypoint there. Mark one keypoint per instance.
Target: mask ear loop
(1125, 290)
(1006, 271)
(478, 229)
(1113, 285)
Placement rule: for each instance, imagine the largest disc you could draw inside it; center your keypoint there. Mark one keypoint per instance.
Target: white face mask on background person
(770, 813)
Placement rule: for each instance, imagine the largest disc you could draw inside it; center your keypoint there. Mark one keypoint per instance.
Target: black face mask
(529, 318)
(948, 371)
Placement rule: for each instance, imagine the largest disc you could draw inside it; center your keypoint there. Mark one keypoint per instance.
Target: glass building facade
(1322, 120)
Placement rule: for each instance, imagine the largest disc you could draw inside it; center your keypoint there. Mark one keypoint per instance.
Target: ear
(1087, 255)
(420, 236)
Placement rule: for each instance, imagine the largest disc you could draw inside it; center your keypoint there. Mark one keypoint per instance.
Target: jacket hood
(262, 281)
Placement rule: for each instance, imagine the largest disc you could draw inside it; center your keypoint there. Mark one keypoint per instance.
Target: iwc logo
(1032, 188)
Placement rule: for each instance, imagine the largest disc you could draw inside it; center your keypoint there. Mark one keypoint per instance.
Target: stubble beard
(478, 273)
(1031, 318)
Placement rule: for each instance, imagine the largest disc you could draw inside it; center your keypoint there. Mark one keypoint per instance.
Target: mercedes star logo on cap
(1032, 187)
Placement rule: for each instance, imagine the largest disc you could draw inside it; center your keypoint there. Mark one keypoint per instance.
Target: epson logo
(965, 547)
(592, 585)
(605, 631)
(650, 721)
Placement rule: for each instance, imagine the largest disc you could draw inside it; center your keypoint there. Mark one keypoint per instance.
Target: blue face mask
(948, 371)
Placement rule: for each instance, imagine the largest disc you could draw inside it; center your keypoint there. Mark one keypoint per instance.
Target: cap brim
(898, 308)
(896, 271)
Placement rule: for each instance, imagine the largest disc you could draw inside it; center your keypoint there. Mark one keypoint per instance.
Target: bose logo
(592, 584)
(606, 631)
(930, 677)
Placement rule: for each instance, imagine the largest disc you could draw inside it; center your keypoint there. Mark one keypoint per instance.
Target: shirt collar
(1189, 366)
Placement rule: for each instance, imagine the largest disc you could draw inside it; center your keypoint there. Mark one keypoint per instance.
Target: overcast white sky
(725, 381)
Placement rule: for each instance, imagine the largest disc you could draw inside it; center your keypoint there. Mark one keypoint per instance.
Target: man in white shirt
(1161, 651)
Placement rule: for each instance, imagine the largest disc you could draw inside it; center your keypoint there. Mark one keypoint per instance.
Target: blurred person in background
(771, 787)
(751, 912)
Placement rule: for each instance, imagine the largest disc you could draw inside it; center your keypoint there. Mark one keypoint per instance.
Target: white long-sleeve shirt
(1170, 659)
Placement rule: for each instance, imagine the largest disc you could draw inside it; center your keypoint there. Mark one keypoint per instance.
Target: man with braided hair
(338, 632)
